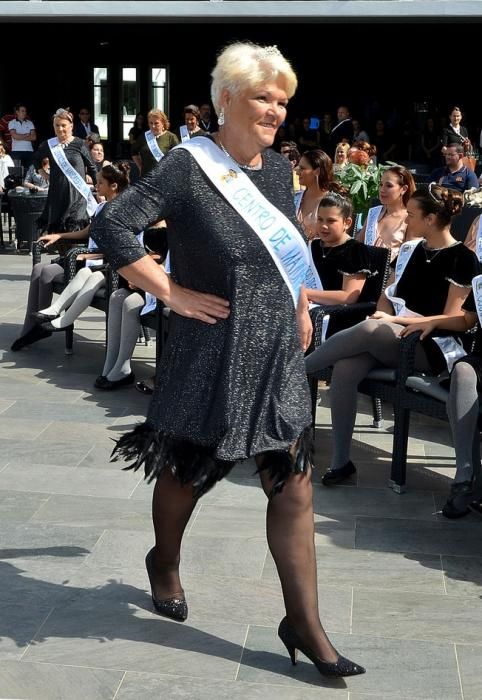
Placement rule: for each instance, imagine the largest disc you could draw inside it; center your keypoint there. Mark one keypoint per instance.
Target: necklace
(245, 167)
(326, 250)
(428, 259)
(397, 214)
(65, 143)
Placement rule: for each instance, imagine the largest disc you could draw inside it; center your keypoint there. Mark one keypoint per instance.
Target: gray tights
(463, 412)
(353, 353)
(123, 331)
(41, 290)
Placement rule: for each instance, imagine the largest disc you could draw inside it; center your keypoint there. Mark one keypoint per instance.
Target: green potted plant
(362, 180)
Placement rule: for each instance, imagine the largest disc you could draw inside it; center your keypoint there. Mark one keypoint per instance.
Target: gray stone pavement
(399, 586)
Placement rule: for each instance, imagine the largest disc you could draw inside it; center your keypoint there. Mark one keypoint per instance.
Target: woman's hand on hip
(197, 305)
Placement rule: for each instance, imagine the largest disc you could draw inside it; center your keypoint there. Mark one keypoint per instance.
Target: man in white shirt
(22, 132)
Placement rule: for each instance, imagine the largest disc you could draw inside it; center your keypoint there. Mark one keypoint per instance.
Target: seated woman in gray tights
(463, 411)
(431, 278)
(76, 297)
(124, 322)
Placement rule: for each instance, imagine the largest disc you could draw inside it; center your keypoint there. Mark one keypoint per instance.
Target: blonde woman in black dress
(65, 212)
(233, 381)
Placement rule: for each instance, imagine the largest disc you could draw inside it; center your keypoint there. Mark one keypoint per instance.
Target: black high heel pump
(342, 667)
(175, 608)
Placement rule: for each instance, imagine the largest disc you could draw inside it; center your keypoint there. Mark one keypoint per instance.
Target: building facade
(119, 58)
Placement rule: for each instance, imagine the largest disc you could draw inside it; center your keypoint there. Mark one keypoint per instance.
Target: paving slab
(347, 569)
(395, 668)
(436, 537)
(124, 637)
(470, 662)
(21, 679)
(409, 615)
(152, 687)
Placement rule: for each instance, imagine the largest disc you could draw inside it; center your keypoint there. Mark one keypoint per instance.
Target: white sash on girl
(153, 147)
(477, 290)
(313, 304)
(371, 227)
(451, 347)
(184, 133)
(72, 175)
(92, 245)
(478, 241)
(280, 237)
(404, 255)
(298, 197)
(151, 300)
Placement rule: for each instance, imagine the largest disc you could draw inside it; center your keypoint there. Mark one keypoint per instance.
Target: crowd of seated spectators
(405, 216)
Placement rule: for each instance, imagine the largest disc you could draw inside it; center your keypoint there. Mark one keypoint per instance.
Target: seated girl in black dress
(432, 278)
(342, 263)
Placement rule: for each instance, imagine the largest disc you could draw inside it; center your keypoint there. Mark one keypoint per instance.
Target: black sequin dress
(232, 390)
(65, 208)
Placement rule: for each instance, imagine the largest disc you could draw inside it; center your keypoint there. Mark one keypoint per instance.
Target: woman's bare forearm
(75, 235)
(335, 296)
(458, 322)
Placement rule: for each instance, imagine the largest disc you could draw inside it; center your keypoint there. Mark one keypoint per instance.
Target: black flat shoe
(457, 505)
(34, 334)
(174, 608)
(451, 512)
(99, 381)
(476, 507)
(144, 388)
(342, 667)
(53, 329)
(337, 476)
(107, 385)
(43, 318)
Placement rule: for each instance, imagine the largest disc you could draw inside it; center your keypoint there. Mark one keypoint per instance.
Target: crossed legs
(76, 297)
(40, 291)
(353, 353)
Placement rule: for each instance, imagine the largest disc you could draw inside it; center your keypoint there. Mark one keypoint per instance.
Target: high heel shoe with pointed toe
(174, 608)
(342, 667)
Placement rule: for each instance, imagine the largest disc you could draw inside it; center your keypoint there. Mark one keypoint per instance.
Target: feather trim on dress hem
(195, 464)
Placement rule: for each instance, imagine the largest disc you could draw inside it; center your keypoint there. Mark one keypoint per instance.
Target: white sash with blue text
(280, 237)
(184, 133)
(153, 147)
(298, 197)
(92, 245)
(477, 290)
(371, 227)
(452, 348)
(478, 240)
(150, 299)
(404, 255)
(72, 175)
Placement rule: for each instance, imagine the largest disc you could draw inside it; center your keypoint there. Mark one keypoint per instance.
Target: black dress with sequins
(235, 389)
(65, 208)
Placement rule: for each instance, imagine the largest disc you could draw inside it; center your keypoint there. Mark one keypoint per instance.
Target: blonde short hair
(243, 65)
(159, 114)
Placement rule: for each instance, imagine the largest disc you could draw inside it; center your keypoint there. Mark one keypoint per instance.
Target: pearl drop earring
(221, 117)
